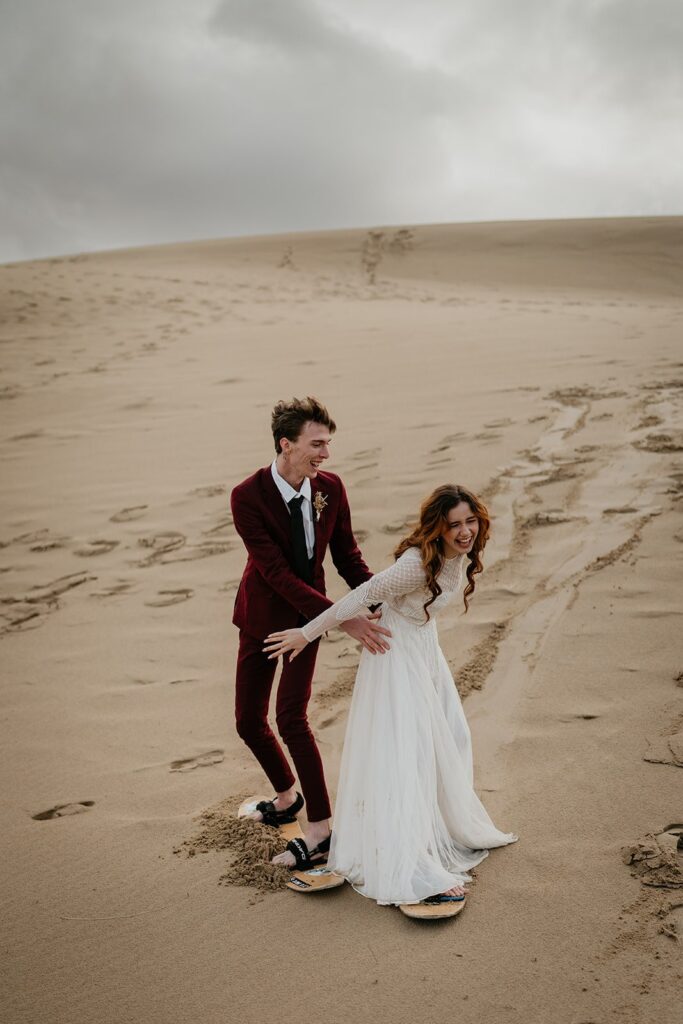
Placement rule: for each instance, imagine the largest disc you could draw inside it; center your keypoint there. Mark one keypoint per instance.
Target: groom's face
(306, 455)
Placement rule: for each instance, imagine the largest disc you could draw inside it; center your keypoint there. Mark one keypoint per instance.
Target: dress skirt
(407, 821)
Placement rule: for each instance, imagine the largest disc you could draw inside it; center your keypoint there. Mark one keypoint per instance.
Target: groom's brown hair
(289, 418)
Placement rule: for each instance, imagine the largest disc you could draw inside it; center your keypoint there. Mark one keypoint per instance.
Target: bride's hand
(280, 643)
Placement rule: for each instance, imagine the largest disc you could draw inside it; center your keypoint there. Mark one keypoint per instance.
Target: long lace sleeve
(404, 576)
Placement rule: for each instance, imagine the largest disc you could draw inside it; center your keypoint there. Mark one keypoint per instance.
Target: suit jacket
(270, 595)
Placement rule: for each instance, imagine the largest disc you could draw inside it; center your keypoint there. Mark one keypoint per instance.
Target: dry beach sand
(538, 363)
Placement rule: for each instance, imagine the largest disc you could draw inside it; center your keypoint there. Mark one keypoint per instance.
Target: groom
(287, 514)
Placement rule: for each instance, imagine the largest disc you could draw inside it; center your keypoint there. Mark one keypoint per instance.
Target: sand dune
(538, 363)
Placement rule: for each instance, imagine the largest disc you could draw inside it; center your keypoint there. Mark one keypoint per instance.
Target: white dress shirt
(288, 492)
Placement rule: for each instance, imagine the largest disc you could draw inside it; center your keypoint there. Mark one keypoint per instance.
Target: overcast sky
(126, 122)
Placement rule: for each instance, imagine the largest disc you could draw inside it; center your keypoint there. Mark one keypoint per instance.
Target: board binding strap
(290, 830)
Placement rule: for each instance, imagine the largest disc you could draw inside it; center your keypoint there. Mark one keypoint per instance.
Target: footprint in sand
(126, 515)
(397, 527)
(150, 682)
(578, 716)
(51, 591)
(187, 764)
(664, 385)
(96, 547)
(578, 395)
(224, 523)
(550, 518)
(64, 810)
(169, 597)
(661, 443)
(160, 544)
(364, 454)
(229, 587)
(676, 485)
(205, 549)
(40, 540)
(143, 403)
(446, 443)
(19, 615)
(113, 590)
(555, 476)
(211, 491)
(649, 421)
(30, 436)
(46, 545)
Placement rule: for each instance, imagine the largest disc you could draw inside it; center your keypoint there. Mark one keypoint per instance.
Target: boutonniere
(319, 503)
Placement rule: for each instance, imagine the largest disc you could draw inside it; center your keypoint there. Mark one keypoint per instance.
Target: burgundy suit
(272, 597)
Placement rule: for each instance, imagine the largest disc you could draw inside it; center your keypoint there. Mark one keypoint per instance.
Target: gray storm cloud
(156, 121)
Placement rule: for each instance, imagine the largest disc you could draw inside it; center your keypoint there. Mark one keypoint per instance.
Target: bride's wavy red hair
(426, 536)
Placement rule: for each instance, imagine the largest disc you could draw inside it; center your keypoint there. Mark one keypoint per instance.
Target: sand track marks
(573, 505)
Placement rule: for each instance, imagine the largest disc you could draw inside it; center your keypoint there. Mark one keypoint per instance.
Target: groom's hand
(366, 629)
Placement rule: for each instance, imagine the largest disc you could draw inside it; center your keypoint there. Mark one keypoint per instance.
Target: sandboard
(314, 880)
(292, 830)
(432, 911)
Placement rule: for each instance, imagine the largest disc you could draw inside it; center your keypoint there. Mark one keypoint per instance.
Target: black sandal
(307, 859)
(275, 818)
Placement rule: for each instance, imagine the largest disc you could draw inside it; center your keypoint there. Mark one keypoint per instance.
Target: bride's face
(459, 530)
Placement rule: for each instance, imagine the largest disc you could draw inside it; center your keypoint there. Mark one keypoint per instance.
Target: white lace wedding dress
(407, 821)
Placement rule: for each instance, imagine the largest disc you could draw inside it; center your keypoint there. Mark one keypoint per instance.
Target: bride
(408, 825)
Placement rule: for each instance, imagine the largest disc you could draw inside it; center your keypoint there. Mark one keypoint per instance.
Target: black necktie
(301, 561)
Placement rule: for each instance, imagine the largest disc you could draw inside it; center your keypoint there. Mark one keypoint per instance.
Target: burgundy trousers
(255, 675)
